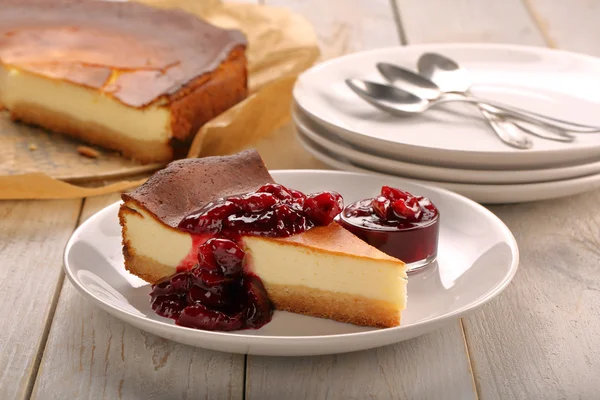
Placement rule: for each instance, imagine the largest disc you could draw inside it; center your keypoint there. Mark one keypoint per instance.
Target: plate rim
(362, 139)
(126, 316)
(465, 185)
(309, 131)
(498, 46)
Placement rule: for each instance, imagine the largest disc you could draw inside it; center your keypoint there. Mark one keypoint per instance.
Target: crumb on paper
(32, 147)
(88, 152)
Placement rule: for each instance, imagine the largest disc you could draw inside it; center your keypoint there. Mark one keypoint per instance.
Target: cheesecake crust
(206, 97)
(147, 268)
(341, 307)
(141, 150)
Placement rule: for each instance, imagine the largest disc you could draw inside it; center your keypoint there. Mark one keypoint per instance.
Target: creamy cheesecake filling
(149, 124)
(153, 240)
(278, 264)
(384, 281)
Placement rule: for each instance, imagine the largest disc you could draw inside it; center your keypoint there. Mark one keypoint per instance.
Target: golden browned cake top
(134, 52)
(334, 239)
(186, 185)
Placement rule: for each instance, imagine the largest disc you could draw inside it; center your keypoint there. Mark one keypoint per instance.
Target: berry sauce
(397, 223)
(211, 290)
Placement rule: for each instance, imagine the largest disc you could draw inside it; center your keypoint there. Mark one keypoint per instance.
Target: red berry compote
(397, 223)
(216, 292)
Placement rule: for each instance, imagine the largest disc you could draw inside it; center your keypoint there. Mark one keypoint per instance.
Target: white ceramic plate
(485, 194)
(406, 169)
(557, 83)
(478, 257)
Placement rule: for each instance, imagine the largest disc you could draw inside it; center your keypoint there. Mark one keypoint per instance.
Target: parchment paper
(281, 45)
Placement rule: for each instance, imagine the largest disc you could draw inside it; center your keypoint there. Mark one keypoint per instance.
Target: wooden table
(540, 339)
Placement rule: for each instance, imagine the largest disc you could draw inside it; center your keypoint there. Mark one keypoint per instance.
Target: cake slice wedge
(324, 271)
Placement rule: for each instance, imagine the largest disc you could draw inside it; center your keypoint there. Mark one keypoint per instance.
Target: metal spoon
(426, 89)
(451, 78)
(395, 101)
(424, 86)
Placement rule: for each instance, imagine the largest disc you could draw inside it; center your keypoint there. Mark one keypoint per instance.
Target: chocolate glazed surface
(135, 53)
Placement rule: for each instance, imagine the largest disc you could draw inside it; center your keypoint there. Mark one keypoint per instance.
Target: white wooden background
(540, 339)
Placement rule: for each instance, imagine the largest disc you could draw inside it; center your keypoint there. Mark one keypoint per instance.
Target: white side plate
(397, 166)
(485, 194)
(557, 83)
(478, 257)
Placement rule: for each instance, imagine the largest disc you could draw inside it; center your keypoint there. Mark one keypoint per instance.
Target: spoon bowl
(450, 77)
(410, 81)
(445, 72)
(399, 102)
(388, 98)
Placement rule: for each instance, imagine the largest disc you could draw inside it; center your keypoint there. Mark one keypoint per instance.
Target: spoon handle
(528, 116)
(540, 129)
(508, 132)
(544, 132)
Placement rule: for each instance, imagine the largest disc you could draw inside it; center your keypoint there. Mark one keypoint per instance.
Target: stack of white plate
(452, 147)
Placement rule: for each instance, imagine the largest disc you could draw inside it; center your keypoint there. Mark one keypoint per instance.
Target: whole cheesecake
(323, 271)
(121, 75)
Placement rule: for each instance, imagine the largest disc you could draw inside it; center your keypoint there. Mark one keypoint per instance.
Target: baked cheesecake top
(189, 184)
(134, 52)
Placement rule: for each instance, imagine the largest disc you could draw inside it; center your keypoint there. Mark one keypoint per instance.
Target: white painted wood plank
(280, 150)
(90, 354)
(342, 27)
(540, 338)
(32, 238)
(570, 25)
(442, 21)
(434, 366)
(345, 27)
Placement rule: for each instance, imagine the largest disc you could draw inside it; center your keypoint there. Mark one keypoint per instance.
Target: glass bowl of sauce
(397, 223)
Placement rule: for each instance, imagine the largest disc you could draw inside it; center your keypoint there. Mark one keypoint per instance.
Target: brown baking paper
(41, 186)
(281, 45)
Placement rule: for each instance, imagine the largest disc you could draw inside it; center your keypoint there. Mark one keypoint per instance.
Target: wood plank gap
(246, 380)
(49, 319)
(539, 23)
(398, 20)
(470, 362)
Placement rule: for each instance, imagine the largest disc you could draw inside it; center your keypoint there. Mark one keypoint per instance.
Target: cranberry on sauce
(323, 207)
(216, 293)
(201, 317)
(397, 223)
(227, 255)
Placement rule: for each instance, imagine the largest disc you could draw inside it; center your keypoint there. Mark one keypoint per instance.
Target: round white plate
(395, 166)
(478, 257)
(557, 83)
(485, 194)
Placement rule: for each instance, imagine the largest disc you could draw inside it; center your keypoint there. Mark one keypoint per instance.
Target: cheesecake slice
(328, 272)
(120, 75)
(323, 271)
